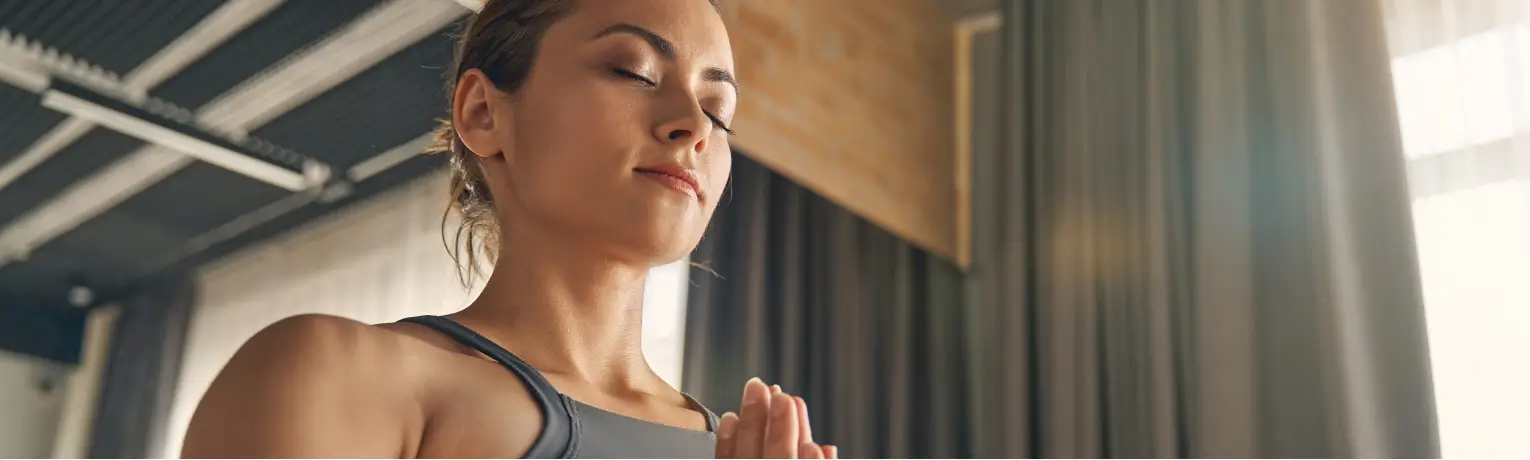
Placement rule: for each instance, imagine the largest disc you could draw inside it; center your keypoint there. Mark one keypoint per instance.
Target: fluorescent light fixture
(359, 45)
(27, 67)
(191, 145)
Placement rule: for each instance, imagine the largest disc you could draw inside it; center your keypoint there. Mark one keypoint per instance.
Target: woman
(589, 142)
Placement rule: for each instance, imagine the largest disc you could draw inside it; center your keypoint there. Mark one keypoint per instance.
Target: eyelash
(644, 80)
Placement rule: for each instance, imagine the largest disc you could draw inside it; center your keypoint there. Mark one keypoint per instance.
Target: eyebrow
(666, 49)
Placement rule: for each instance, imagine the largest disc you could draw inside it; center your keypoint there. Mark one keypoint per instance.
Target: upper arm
(308, 386)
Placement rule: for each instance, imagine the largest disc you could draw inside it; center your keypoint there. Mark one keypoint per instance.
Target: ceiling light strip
(379, 33)
(29, 65)
(155, 133)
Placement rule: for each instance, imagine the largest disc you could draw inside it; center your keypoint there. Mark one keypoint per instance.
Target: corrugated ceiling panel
(387, 105)
(290, 27)
(116, 278)
(97, 149)
(114, 249)
(198, 198)
(99, 254)
(116, 35)
(398, 175)
(22, 121)
(159, 221)
(32, 283)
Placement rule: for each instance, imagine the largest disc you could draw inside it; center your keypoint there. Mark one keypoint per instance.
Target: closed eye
(718, 123)
(624, 73)
(620, 72)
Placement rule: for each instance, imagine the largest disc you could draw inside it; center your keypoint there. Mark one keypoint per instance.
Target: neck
(566, 310)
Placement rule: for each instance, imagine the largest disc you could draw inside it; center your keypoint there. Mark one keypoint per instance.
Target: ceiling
(292, 88)
(102, 198)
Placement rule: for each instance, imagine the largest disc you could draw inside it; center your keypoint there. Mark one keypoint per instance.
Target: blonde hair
(501, 41)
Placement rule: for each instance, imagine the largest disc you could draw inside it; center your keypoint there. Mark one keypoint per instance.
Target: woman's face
(616, 139)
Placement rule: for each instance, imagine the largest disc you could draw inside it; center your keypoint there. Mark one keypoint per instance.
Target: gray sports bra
(572, 429)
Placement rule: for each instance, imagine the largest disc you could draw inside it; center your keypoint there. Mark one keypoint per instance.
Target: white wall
(378, 262)
(77, 413)
(28, 415)
(47, 408)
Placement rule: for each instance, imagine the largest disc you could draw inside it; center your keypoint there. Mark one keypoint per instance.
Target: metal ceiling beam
(354, 48)
(390, 158)
(31, 66)
(270, 212)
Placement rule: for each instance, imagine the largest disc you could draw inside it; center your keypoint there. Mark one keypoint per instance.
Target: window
(664, 319)
(1461, 70)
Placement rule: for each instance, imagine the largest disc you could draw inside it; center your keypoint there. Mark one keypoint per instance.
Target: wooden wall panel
(853, 99)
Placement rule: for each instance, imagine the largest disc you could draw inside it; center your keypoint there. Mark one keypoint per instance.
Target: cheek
(718, 167)
(572, 147)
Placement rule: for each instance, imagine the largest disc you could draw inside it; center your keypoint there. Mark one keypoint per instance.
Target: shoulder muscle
(307, 386)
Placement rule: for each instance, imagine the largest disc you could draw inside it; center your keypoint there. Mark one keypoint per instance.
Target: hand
(770, 424)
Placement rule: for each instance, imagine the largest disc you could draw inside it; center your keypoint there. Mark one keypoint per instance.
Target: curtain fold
(1194, 238)
(805, 294)
(143, 364)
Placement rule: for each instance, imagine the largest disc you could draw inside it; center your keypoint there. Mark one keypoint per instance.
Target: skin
(580, 228)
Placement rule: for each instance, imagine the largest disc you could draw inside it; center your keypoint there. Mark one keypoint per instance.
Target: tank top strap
(698, 407)
(560, 427)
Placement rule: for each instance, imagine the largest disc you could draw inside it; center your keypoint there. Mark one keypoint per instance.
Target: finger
(781, 437)
(727, 428)
(805, 426)
(775, 390)
(753, 418)
(809, 450)
(830, 452)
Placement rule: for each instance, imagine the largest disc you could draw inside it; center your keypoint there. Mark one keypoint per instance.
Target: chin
(654, 235)
(651, 255)
(652, 245)
(668, 258)
(668, 250)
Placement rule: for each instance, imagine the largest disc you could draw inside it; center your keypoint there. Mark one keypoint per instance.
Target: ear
(473, 114)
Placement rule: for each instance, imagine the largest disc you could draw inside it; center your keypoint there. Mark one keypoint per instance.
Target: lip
(675, 176)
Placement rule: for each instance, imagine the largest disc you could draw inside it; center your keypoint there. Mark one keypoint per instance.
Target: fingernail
(830, 452)
(752, 397)
(775, 389)
(727, 425)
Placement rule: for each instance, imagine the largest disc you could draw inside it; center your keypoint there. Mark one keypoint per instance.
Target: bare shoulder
(309, 386)
(473, 406)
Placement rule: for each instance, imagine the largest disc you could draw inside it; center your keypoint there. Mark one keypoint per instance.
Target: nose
(683, 123)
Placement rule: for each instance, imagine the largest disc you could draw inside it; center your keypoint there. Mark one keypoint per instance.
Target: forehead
(693, 26)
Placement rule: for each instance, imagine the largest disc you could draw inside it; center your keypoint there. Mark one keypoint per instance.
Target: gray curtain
(1193, 237)
(865, 327)
(140, 378)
